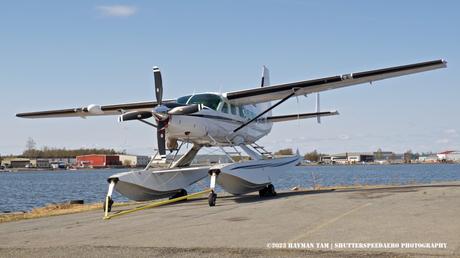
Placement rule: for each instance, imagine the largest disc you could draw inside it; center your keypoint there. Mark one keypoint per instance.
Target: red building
(98, 160)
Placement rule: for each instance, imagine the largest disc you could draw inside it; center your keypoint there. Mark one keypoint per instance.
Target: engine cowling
(135, 115)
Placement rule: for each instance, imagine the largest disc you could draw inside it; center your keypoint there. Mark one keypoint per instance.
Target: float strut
(212, 185)
(108, 199)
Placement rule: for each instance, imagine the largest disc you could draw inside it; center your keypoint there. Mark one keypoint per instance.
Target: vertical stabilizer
(265, 77)
(265, 81)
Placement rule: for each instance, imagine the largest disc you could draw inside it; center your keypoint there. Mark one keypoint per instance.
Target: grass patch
(50, 210)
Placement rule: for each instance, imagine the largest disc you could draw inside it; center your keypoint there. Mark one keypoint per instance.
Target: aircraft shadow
(257, 198)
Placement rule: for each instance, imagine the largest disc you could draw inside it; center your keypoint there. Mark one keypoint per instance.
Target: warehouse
(348, 158)
(449, 156)
(98, 161)
(40, 163)
(16, 162)
(133, 160)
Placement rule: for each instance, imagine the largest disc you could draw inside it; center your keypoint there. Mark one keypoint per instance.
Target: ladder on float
(227, 153)
(261, 150)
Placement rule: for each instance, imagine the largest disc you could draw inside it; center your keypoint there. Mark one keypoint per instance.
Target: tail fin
(265, 77)
(265, 82)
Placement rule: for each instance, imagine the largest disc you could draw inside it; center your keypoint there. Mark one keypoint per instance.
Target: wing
(270, 93)
(300, 116)
(94, 110)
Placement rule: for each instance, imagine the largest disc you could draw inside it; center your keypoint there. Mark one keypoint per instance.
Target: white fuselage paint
(210, 127)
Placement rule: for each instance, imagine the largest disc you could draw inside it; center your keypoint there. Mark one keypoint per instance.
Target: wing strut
(266, 110)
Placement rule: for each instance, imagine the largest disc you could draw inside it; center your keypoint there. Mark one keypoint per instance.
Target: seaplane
(235, 119)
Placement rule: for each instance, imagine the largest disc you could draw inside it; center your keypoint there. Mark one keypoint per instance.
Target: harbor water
(23, 191)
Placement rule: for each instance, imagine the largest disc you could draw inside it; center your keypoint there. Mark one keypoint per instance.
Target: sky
(65, 54)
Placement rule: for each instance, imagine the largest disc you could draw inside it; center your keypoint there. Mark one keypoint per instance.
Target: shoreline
(57, 209)
(16, 170)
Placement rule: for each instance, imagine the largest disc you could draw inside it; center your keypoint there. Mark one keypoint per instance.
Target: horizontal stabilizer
(301, 116)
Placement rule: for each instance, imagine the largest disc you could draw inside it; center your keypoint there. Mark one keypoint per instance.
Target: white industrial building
(449, 156)
(349, 158)
(133, 160)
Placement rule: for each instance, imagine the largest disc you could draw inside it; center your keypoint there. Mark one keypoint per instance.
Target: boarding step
(261, 150)
(233, 153)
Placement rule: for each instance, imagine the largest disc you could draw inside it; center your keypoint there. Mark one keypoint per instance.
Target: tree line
(48, 153)
(313, 156)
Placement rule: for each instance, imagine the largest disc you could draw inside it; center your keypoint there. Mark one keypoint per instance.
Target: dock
(307, 223)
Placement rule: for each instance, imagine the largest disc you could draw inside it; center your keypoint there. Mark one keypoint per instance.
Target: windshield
(183, 100)
(210, 100)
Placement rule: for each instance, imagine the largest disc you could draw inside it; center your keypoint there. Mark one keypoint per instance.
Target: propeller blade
(161, 138)
(135, 115)
(184, 110)
(158, 85)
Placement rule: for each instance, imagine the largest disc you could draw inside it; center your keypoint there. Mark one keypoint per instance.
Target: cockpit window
(224, 108)
(210, 100)
(183, 100)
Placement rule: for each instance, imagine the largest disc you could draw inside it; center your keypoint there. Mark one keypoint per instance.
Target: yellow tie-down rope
(155, 204)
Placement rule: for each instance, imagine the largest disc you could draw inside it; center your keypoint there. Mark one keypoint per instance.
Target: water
(23, 191)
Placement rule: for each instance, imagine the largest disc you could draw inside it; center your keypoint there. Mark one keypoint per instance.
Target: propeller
(158, 85)
(161, 112)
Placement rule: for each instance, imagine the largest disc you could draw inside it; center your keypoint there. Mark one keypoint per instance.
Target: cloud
(443, 141)
(344, 137)
(451, 132)
(117, 10)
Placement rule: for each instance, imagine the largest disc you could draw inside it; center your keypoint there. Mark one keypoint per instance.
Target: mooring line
(155, 204)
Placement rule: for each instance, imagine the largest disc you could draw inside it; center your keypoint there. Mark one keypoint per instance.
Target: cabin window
(224, 108)
(234, 110)
(183, 100)
(241, 111)
(248, 113)
(209, 100)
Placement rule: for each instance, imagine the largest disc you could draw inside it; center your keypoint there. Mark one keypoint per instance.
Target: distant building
(348, 158)
(355, 157)
(386, 157)
(133, 160)
(98, 161)
(40, 163)
(449, 156)
(428, 159)
(66, 161)
(16, 162)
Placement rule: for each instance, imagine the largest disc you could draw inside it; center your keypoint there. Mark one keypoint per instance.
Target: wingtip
(444, 61)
